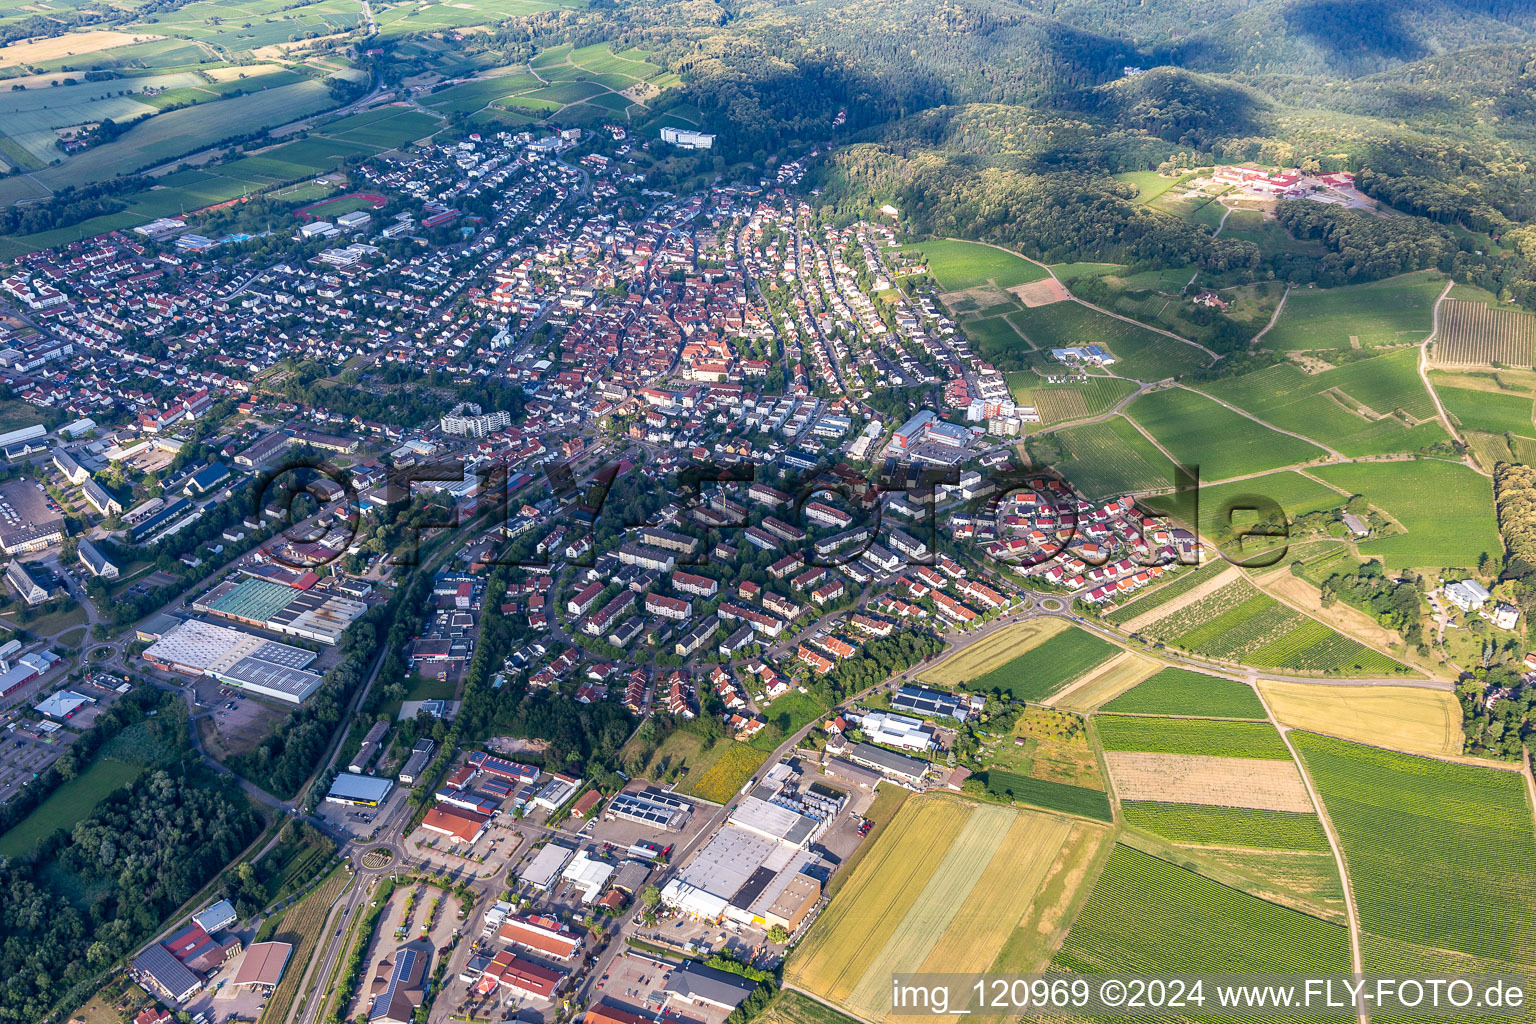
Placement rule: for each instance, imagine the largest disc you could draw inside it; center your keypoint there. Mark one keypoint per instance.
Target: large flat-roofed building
(314, 614)
(545, 868)
(696, 984)
(359, 790)
(258, 665)
(794, 902)
(650, 807)
(686, 138)
(775, 822)
(738, 874)
(587, 874)
(888, 762)
(897, 730)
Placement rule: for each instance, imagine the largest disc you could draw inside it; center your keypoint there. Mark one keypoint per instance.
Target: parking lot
(232, 722)
(635, 982)
(361, 822)
(487, 858)
(25, 752)
(410, 916)
(222, 1001)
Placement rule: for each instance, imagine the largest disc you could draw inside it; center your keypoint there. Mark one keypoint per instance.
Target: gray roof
(888, 760)
(695, 981)
(168, 972)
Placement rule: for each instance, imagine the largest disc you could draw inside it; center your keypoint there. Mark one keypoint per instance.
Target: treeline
(134, 707)
(144, 852)
(1394, 603)
(68, 207)
(1445, 202)
(1062, 217)
(1360, 247)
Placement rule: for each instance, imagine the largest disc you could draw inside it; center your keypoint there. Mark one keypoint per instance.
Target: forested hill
(1330, 38)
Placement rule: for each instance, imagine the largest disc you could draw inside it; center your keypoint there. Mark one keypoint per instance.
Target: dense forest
(87, 897)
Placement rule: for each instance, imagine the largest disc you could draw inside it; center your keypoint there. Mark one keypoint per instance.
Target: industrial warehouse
(256, 665)
(759, 870)
(302, 609)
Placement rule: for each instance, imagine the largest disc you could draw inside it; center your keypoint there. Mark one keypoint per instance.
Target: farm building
(888, 762)
(263, 964)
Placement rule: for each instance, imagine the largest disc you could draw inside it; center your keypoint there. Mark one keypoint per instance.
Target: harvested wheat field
(1340, 616)
(945, 889)
(71, 44)
(995, 651)
(1112, 679)
(1041, 293)
(1260, 783)
(1407, 718)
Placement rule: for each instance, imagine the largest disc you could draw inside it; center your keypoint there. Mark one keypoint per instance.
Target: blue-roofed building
(206, 479)
(926, 703)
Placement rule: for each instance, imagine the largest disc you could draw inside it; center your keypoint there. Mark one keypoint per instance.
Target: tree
(778, 935)
(650, 896)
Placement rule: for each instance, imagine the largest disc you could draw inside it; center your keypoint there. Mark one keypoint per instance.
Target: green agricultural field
(1057, 403)
(1202, 825)
(1068, 272)
(1145, 915)
(958, 265)
(1149, 184)
(1439, 854)
(1446, 508)
(1239, 623)
(992, 336)
(1492, 412)
(1397, 311)
(383, 133)
(1221, 507)
(1179, 691)
(68, 805)
(1043, 670)
(1198, 432)
(167, 136)
(1108, 458)
(1369, 407)
(468, 97)
(1141, 354)
(1181, 584)
(1055, 796)
(1205, 736)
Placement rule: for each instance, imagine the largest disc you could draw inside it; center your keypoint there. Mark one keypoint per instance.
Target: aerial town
(497, 587)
